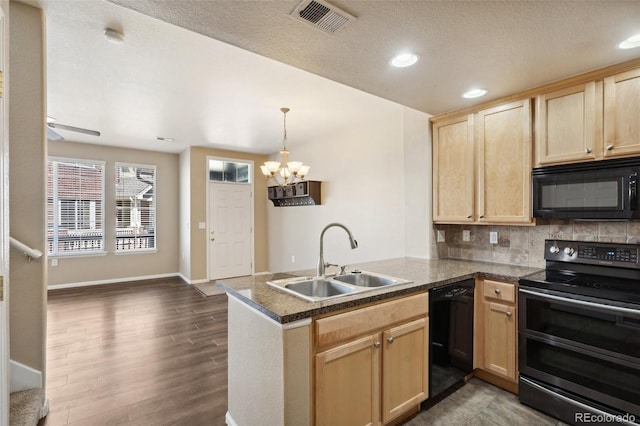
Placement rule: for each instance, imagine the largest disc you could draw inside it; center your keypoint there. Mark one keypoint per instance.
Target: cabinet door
(566, 125)
(348, 383)
(622, 114)
(404, 368)
(500, 339)
(453, 170)
(504, 163)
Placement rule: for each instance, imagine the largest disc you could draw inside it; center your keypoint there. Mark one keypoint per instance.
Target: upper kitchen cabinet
(569, 125)
(622, 114)
(503, 140)
(482, 166)
(453, 170)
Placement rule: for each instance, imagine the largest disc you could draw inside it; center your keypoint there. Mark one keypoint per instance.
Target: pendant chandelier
(284, 172)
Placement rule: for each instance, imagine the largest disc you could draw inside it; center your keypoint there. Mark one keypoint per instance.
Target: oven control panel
(606, 253)
(614, 254)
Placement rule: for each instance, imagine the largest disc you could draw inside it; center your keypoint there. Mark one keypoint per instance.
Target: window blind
(135, 207)
(75, 206)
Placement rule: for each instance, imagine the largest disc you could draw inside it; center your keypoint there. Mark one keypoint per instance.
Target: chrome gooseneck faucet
(352, 241)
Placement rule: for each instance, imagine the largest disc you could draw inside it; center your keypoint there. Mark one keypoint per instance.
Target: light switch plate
(493, 237)
(440, 236)
(466, 235)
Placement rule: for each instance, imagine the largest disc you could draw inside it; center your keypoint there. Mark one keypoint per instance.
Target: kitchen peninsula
(273, 336)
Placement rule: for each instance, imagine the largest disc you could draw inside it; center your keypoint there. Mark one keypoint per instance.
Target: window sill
(145, 251)
(74, 255)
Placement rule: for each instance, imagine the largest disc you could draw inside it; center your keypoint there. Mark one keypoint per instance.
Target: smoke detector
(321, 15)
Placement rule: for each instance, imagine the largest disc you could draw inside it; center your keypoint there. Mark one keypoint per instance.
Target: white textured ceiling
(165, 81)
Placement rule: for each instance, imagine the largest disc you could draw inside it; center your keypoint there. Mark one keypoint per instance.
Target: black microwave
(606, 189)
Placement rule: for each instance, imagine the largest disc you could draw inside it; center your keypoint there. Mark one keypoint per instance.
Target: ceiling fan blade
(74, 129)
(53, 136)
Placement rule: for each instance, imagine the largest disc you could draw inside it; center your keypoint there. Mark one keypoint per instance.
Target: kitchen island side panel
(269, 372)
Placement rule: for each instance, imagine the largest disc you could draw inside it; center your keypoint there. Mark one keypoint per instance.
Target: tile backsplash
(524, 245)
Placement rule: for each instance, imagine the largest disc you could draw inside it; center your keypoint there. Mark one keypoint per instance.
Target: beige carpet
(209, 289)
(25, 406)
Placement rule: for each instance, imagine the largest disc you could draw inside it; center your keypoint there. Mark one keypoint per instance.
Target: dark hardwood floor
(140, 353)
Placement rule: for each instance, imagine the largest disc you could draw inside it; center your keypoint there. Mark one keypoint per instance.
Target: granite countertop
(424, 274)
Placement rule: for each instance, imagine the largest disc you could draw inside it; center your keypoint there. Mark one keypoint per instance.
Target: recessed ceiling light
(474, 93)
(404, 60)
(114, 36)
(160, 138)
(631, 42)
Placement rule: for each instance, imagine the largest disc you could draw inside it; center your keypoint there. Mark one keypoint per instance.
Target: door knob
(609, 147)
(376, 345)
(389, 340)
(509, 314)
(588, 150)
(497, 290)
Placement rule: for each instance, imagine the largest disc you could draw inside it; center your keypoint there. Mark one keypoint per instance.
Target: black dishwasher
(450, 337)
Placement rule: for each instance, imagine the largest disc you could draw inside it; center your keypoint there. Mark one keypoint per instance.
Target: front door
(230, 230)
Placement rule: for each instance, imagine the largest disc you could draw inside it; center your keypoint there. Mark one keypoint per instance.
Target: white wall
(417, 184)
(363, 174)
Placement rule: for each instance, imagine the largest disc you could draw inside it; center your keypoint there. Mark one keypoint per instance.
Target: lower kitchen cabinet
(375, 368)
(404, 368)
(348, 383)
(496, 333)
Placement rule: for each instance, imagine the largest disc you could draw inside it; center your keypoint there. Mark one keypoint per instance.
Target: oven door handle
(573, 402)
(617, 309)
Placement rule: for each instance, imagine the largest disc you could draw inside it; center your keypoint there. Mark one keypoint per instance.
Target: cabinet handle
(469, 217)
(588, 150)
(376, 345)
(390, 340)
(212, 236)
(497, 290)
(481, 216)
(609, 147)
(509, 314)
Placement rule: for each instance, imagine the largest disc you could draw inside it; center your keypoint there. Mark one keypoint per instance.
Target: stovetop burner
(618, 289)
(602, 270)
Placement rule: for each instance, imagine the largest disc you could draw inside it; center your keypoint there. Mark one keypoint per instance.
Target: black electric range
(579, 333)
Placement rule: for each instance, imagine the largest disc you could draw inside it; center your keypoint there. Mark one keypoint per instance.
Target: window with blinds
(135, 208)
(75, 206)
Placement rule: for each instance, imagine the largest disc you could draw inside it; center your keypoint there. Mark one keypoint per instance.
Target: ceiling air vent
(321, 15)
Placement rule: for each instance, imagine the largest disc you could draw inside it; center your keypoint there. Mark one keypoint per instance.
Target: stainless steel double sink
(315, 289)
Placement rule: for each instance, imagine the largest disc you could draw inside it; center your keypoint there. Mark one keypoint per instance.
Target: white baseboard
(113, 281)
(262, 273)
(229, 420)
(23, 377)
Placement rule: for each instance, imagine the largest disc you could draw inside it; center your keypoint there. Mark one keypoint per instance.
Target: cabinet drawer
(499, 291)
(345, 326)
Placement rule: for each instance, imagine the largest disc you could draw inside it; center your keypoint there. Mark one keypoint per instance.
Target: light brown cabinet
(622, 114)
(372, 365)
(348, 383)
(482, 166)
(504, 163)
(569, 125)
(453, 170)
(496, 333)
(404, 368)
(590, 121)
